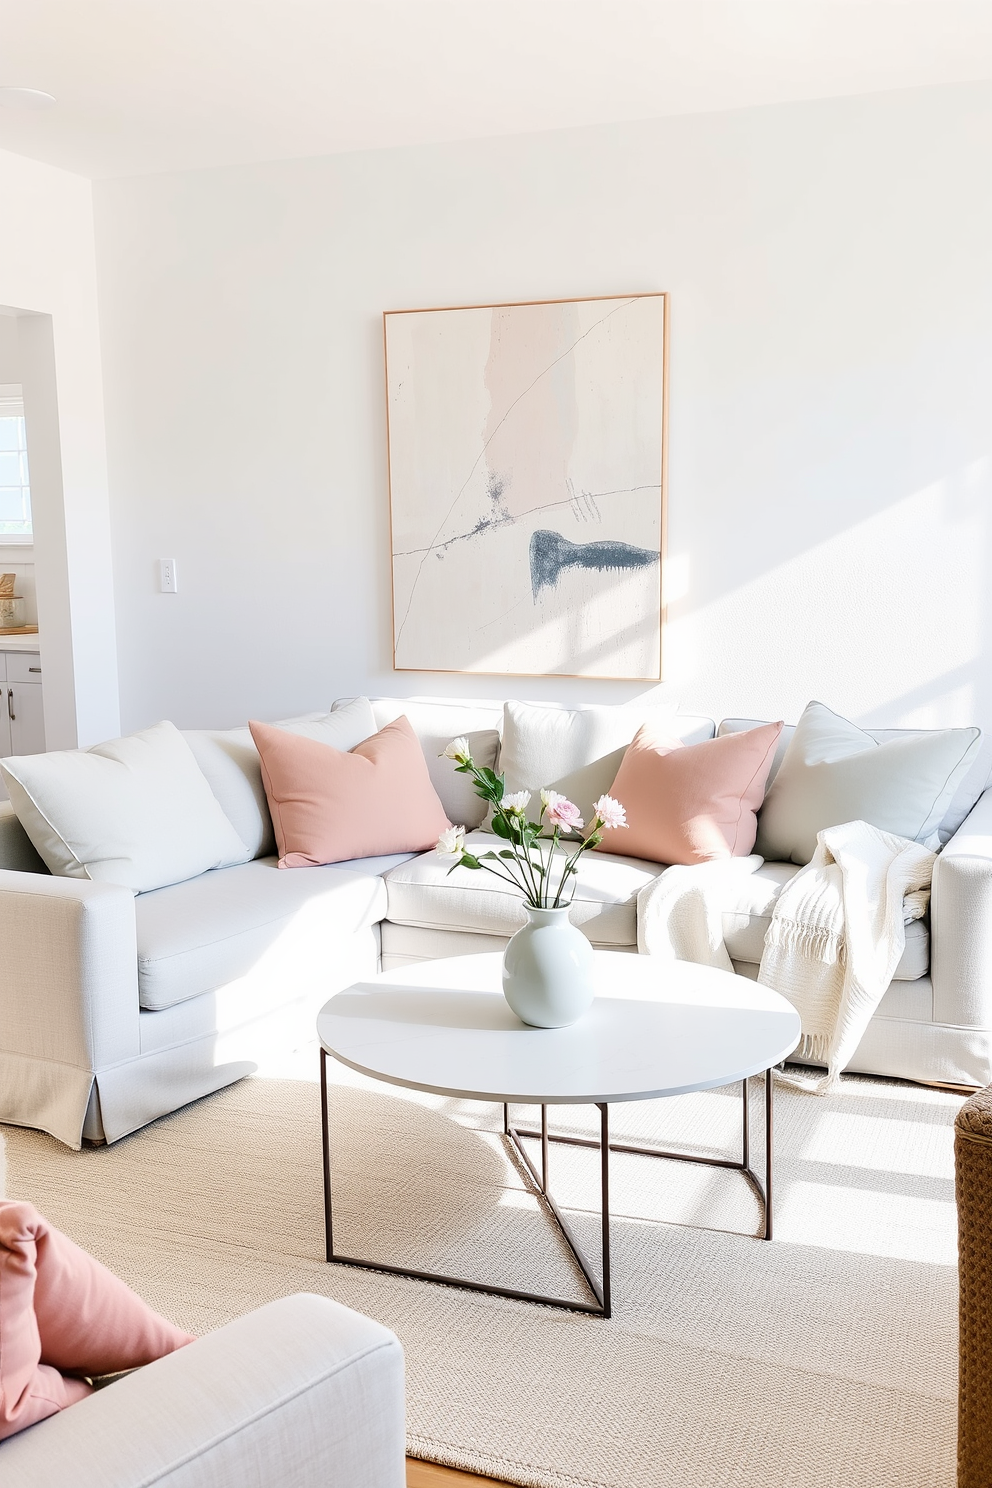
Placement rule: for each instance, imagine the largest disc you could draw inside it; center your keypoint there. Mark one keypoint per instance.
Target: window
(15, 486)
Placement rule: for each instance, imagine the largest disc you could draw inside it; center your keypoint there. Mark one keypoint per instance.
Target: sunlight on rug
(825, 1359)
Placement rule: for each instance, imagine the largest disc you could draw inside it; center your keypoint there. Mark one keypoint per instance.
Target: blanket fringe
(815, 1047)
(809, 1084)
(825, 946)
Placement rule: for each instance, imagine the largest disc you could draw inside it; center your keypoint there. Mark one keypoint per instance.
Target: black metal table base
(599, 1287)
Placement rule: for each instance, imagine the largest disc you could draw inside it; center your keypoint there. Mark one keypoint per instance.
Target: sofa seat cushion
(421, 892)
(748, 910)
(197, 936)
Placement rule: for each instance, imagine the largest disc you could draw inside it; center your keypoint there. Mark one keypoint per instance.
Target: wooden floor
(426, 1475)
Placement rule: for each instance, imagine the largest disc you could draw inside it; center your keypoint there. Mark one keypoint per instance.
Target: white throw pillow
(833, 772)
(135, 811)
(576, 751)
(229, 760)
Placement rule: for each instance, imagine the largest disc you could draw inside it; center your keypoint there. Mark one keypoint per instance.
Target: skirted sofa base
(116, 1009)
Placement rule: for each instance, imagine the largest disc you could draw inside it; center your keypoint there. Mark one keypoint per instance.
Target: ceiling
(158, 85)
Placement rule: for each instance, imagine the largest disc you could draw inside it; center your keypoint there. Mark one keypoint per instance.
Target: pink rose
(560, 812)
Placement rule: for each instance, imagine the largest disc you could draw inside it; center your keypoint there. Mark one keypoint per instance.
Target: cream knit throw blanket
(837, 932)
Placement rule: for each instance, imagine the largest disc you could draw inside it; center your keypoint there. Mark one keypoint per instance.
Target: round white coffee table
(655, 1029)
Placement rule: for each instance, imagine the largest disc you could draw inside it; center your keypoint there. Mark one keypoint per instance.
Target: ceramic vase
(547, 970)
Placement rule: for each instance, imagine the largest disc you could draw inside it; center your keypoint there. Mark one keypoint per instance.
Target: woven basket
(973, 1182)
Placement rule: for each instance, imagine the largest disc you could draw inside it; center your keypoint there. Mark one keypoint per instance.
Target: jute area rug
(825, 1359)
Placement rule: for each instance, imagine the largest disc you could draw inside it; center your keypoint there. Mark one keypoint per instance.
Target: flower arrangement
(529, 860)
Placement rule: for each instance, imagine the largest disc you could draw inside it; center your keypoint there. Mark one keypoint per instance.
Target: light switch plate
(167, 576)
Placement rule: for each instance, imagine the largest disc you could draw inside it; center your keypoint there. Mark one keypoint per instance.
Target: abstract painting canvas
(526, 473)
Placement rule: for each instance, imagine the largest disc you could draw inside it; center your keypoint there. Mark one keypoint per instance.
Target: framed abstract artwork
(527, 453)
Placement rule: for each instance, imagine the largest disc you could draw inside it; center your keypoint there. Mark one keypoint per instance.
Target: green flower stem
(547, 867)
(526, 863)
(521, 883)
(530, 877)
(555, 839)
(527, 883)
(570, 862)
(506, 877)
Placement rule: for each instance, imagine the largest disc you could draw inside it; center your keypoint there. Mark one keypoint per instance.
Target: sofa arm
(303, 1391)
(68, 995)
(961, 923)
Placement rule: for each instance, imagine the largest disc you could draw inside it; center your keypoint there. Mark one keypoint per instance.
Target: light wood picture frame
(527, 451)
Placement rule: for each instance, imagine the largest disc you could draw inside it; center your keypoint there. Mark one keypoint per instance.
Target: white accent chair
(303, 1393)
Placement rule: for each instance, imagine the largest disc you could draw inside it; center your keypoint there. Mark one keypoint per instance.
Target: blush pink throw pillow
(328, 806)
(690, 803)
(62, 1313)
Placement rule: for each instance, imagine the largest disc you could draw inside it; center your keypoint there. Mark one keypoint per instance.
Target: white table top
(656, 1028)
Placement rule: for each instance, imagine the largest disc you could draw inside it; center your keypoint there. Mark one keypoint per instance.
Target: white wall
(16, 558)
(10, 366)
(48, 276)
(831, 399)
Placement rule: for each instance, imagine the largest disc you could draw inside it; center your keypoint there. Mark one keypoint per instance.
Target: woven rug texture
(824, 1359)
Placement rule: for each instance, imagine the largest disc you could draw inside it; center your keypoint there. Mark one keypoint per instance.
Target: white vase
(547, 970)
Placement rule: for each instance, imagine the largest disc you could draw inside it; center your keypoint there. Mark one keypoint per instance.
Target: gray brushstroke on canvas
(550, 553)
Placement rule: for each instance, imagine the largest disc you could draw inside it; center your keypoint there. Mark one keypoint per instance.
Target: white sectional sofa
(116, 1009)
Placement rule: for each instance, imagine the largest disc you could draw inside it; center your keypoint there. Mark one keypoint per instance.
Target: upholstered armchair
(302, 1391)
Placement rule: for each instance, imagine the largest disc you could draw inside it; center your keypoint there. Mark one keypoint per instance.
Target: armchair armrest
(303, 1391)
(961, 923)
(68, 995)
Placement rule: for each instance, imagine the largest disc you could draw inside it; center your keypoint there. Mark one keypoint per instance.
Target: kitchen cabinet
(22, 713)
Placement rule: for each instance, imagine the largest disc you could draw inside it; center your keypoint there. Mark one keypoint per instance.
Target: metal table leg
(600, 1291)
(762, 1189)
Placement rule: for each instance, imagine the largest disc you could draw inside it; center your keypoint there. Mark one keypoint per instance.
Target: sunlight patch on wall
(888, 621)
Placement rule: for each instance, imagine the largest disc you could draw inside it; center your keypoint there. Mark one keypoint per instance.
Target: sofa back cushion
(135, 811)
(436, 721)
(578, 751)
(229, 760)
(833, 772)
(969, 787)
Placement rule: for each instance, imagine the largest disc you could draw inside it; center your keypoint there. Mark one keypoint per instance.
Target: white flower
(610, 813)
(517, 803)
(550, 798)
(459, 751)
(451, 843)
